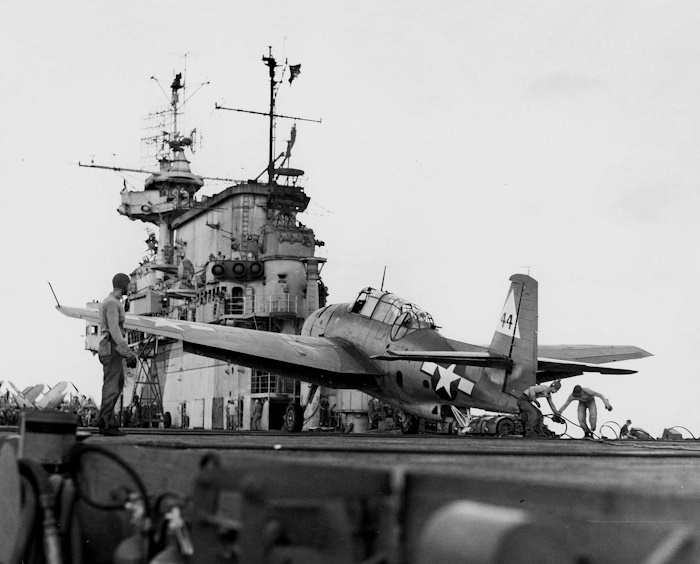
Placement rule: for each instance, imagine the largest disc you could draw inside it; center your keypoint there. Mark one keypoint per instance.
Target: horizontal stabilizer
(562, 368)
(565, 361)
(454, 357)
(594, 354)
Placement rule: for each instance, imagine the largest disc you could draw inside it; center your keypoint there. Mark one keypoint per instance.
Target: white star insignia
(447, 376)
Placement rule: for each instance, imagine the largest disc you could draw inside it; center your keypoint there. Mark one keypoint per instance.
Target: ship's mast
(271, 64)
(175, 86)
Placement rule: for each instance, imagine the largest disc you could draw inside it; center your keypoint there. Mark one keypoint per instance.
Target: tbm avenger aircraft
(391, 349)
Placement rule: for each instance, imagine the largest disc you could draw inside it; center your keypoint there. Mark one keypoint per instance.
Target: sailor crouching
(531, 416)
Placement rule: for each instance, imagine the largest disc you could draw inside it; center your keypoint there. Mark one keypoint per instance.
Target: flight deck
(399, 499)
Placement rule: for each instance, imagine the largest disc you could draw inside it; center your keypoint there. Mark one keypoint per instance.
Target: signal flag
(294, 71)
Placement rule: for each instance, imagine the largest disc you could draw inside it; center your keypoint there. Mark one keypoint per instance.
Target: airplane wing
(331, 362)
(19, 398)
(456, 357)
(53, 398)
(564, 361)
(34, 393)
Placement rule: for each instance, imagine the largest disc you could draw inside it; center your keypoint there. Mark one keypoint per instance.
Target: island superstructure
(240, 257)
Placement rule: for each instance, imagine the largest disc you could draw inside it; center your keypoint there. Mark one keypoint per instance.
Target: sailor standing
(257, 415)
(112, 352)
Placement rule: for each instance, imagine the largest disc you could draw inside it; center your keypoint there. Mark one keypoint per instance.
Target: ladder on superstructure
(147, 385)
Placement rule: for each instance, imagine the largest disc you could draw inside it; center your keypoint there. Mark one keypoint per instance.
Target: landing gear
(294, 418)
(409, 423)
(505, 426)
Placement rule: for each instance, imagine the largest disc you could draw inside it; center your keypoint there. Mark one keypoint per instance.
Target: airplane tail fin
(516, 334)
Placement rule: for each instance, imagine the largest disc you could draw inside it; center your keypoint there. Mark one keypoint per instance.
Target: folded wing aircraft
(33, 392)
(391, 349)
(19, 398)
(53, 398)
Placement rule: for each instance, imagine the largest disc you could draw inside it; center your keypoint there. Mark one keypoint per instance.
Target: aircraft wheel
(409, 424)
(167, 420)
(505, 426)
(293, 418)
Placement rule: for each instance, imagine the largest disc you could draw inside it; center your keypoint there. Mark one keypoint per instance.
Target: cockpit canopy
(388, 308)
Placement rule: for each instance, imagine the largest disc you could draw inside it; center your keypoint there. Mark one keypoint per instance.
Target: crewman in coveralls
(112, 352)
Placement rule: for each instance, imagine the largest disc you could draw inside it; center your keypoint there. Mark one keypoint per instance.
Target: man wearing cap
(586, 406)
(112, 352)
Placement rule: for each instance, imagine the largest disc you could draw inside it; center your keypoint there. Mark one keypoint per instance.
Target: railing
(261, 305)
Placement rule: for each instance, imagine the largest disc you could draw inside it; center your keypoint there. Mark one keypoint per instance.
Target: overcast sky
(461, 142)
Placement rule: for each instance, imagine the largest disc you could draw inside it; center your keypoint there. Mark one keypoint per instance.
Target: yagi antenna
(383, 276)
(54, 295)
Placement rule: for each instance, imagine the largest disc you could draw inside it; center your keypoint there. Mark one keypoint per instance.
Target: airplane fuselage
(422, 388)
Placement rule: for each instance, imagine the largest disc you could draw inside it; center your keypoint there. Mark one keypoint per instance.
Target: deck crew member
(531, 416)
(257, 415)
(231, 415)
(112, 352)
(373, 415)
(625, 430)
(586, 405)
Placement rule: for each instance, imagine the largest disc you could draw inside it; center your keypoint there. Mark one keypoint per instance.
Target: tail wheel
(409, 424)
(293, 418)
(505, 426)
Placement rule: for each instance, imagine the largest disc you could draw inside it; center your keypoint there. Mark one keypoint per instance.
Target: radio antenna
(54, 295)
(383, 277)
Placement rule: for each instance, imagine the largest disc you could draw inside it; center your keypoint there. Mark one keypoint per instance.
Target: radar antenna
(166, 122)
(295, 70)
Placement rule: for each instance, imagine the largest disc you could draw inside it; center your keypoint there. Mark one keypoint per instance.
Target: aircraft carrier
(194, 480)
